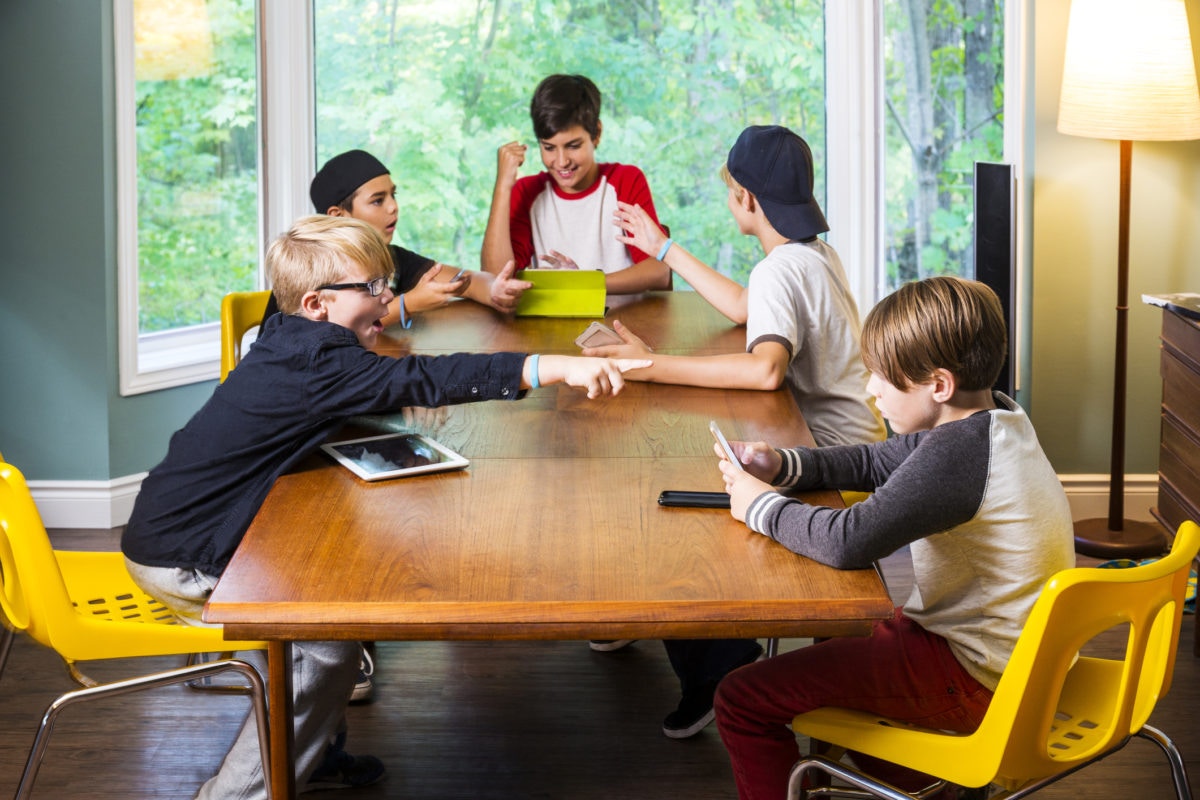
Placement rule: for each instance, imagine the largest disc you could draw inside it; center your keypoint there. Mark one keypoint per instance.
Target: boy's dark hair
(944, 322)
(564, 101)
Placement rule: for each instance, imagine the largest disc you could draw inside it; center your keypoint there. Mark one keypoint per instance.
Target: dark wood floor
(467, 720)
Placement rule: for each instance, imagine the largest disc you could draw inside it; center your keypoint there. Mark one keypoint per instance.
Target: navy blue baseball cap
(341, 176)
(776, 166)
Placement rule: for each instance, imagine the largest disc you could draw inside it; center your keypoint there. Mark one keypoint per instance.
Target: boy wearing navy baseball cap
(802, 331)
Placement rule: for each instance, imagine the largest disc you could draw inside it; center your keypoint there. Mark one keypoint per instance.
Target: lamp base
(1136, 539)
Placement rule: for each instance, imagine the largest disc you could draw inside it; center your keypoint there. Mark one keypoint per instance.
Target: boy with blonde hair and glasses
(963, 483)
(309, 371)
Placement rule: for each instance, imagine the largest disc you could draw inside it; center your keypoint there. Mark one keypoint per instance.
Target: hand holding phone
(598, 335)
(721, 440)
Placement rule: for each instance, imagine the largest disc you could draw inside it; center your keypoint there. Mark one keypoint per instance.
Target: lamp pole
(1118, 537)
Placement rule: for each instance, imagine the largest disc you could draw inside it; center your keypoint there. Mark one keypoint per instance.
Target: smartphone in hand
(721, 440)
(598, 335)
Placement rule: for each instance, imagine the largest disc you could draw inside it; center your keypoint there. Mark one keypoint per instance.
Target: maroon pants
(900, 671)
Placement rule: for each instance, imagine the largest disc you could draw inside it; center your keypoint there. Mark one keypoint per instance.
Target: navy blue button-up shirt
(297, 384)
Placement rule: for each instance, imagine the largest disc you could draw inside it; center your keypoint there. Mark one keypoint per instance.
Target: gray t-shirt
(979, 504)
(799, 297)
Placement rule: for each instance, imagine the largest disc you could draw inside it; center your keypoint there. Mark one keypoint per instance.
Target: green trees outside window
(434, 88)
(944, 89)
(197, 158)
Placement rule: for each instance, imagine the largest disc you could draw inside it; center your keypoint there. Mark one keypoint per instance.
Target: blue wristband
(662, 253)
(405, 320)
(533, 371)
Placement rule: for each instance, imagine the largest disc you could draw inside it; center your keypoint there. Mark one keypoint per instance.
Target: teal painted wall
(61, 416)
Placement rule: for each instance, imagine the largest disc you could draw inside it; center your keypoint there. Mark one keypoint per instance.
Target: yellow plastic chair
(240, 311)
(1052, 714)
(85, 606)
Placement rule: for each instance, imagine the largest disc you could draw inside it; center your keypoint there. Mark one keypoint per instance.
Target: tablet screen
(393, 455)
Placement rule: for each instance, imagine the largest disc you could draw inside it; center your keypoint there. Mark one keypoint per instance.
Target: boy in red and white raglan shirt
(562, 217)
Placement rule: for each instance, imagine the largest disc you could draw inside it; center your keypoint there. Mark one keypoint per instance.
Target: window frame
(287, 144)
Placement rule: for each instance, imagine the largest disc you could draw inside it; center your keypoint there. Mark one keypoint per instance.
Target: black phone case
(693, 499)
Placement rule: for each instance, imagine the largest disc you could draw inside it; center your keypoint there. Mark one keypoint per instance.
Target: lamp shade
(1129, 72)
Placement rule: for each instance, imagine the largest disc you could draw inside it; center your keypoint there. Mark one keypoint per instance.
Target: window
(944, 94)
(434, 90)
(895, 120)
(188, 150)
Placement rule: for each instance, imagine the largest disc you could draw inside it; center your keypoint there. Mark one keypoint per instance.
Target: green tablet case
(562, 293)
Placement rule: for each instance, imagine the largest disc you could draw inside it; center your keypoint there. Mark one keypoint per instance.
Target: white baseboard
(86, 504)
(1088, 496)
(107, 504)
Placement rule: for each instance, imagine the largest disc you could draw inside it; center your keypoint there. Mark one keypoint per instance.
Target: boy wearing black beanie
(357, 184)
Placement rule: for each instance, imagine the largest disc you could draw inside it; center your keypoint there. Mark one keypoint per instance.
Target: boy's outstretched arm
(497, 238)
(765, 368)
(647, 275)
(599, 376)
(638, 229)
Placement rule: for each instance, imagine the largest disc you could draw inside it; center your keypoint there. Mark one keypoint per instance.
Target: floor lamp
(1129, 75)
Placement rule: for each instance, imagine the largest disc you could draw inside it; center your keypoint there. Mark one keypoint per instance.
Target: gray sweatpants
(323, 675)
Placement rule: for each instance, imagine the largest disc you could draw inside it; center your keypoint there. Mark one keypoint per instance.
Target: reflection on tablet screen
(393, 455)
(386, 455)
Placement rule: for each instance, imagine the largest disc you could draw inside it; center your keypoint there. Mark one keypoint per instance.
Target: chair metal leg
(1183, 789)
(7, 635)
(206, 684)
(863, 786)
(258, 702)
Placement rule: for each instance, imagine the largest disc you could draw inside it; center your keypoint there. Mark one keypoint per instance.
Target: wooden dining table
(553, 531)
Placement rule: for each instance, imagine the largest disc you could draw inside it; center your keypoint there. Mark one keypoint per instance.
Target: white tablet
(393, 455)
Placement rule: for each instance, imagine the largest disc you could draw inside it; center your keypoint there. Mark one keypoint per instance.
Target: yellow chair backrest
(84, 605)
(240, 311)
(1053, 709)
(1065, 710)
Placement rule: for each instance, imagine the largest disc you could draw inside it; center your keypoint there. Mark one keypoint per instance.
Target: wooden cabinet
(1179, 448)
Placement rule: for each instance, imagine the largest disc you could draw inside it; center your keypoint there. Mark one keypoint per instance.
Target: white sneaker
(363, 686)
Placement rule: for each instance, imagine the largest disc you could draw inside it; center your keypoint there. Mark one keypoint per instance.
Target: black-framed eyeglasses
(373, 287)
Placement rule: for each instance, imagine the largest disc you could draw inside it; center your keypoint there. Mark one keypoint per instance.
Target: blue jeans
(323, 675)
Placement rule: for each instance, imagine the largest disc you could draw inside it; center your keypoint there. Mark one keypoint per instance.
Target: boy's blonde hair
(739, 191)
(318, 250)
(943, 322)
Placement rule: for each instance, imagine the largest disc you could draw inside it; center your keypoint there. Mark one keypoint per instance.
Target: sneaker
(364, 688)
(695, 710)
(693, 714)
(610, 645)
(340, 770)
